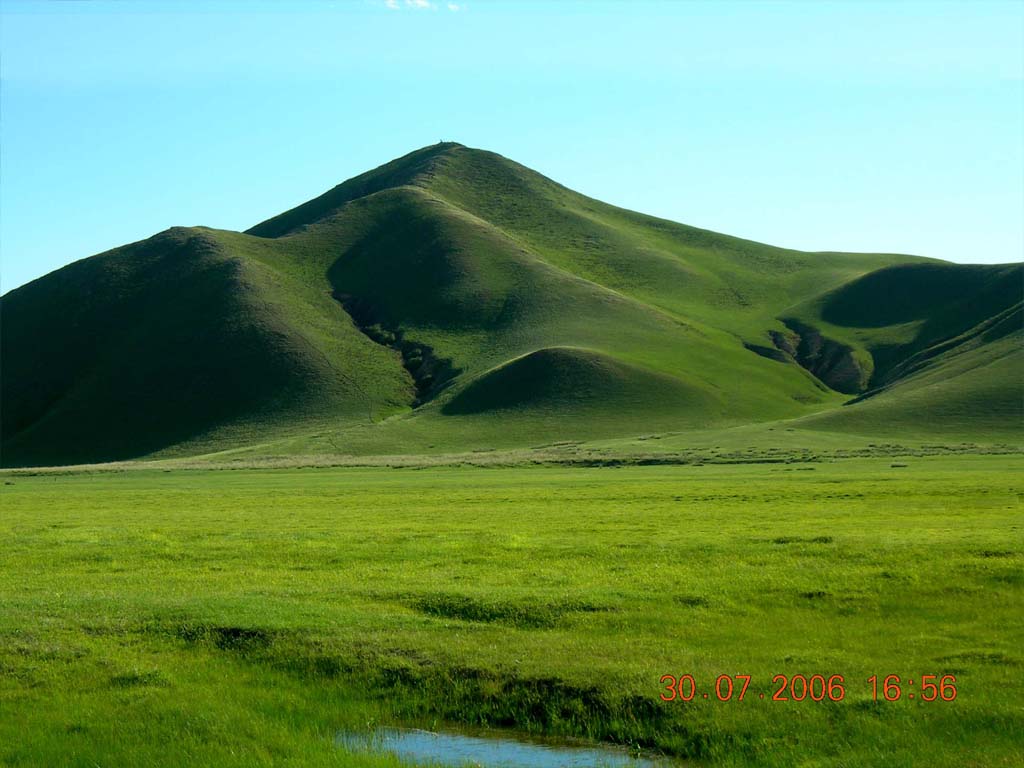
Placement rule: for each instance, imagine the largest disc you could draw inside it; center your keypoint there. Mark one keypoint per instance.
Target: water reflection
(493, 750)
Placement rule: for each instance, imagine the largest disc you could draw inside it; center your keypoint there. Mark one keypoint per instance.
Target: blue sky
(864, 126)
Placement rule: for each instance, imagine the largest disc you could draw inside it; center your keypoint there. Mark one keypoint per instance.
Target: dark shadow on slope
(949, 297)
(993, 329)
(138, 349)
(947, 300)
(431, 374)
(772, 353)
(830, 361)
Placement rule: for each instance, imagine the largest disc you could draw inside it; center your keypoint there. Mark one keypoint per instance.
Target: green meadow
(165, 616)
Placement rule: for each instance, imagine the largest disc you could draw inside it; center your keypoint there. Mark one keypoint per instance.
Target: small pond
(489, 749)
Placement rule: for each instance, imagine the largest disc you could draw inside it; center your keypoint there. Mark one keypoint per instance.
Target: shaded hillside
(454, 292)
(166, 341)
(943, 344)
(899, 312)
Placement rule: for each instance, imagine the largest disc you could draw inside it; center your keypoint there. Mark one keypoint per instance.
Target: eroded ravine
(430, 373)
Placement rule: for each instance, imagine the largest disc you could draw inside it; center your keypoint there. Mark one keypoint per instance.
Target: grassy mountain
(455, 298)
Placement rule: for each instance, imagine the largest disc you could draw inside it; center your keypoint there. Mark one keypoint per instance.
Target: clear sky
(863, 125)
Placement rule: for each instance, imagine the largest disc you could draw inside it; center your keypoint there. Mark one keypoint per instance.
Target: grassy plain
(172, 617)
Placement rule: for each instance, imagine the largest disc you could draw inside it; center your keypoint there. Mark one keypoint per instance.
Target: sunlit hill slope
(453, 299)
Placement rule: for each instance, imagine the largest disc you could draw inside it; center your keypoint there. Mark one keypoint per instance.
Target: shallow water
(494, 750)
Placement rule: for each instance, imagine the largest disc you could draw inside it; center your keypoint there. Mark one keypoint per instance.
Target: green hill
(943, 344)
(159, 342)
(455, 298)
(566, 382)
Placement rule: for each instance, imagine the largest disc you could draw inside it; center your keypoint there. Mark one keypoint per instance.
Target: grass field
(171, 617)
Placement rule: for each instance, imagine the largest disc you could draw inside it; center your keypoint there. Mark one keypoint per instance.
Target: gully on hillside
(429, 373)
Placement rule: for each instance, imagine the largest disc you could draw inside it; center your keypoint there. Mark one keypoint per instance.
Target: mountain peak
(402, 171)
